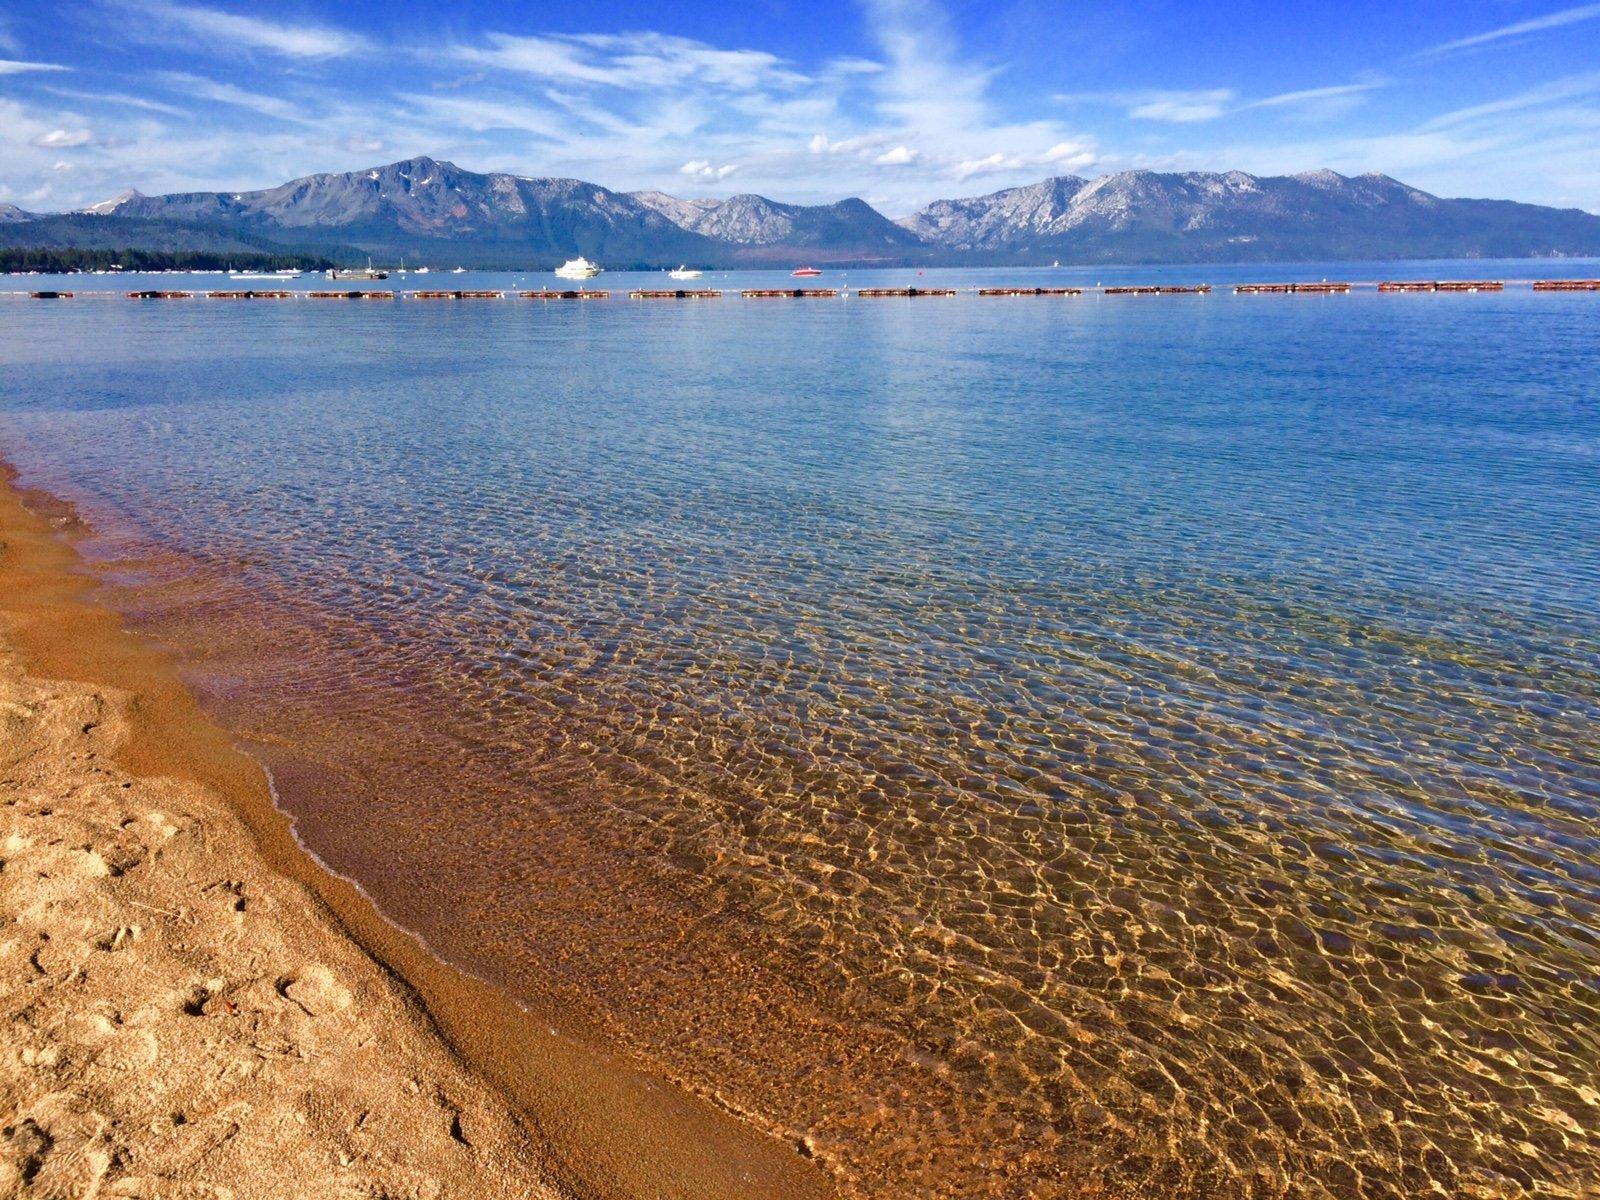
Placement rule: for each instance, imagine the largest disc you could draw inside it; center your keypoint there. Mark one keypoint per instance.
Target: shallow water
(1015, 746)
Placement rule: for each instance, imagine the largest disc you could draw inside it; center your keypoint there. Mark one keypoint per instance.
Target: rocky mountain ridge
(429, 210)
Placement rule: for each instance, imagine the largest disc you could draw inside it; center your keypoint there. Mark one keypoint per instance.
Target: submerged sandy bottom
(183, 1019)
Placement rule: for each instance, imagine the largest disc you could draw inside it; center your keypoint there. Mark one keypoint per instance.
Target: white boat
(263, 274)
(577, 268)
(459, 271)
(684, 273)
(420, 271)
(358, 273)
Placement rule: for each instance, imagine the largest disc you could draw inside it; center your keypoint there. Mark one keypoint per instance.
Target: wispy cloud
(228, 93)
(1210, 104)
(1184, 107)
(631, 60)
(162, 21)
(1327, 98)
(1555, 20)
(1557, 91)
(119, 100)
(12, 66)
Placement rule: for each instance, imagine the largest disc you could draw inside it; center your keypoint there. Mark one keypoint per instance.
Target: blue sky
(898, 101)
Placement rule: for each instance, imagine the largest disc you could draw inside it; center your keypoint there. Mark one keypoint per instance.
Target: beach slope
(181, 1021)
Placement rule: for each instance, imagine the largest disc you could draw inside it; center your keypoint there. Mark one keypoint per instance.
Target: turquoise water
(1013, 745)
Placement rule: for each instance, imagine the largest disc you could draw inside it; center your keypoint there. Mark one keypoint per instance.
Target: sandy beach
(194, 1009)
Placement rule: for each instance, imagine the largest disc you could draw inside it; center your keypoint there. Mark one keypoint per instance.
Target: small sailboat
(805, 272)
(684, 273)
(578, 268)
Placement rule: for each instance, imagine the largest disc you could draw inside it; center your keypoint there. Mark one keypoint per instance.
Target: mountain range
(432, 211)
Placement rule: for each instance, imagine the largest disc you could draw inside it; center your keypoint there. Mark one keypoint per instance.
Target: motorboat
(684, 273)
(367, 272)
(577, 268)
(805, 272)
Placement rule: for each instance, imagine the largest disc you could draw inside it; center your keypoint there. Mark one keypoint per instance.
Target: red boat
(804, 272)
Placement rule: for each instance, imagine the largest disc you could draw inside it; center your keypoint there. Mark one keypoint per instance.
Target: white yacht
(578, 268)
(684, 273)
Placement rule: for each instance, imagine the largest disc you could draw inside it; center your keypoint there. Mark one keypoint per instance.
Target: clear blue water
(1016, 745)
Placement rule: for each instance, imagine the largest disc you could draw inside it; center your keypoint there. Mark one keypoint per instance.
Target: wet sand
(194, 1007)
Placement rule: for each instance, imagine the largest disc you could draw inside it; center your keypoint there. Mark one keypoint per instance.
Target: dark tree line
(65, 260)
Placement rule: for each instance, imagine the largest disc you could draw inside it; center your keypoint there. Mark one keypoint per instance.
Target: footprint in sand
(315, 991)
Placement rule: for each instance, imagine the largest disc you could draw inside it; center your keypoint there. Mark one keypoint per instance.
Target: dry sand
(182, 1021)
(194, 1009)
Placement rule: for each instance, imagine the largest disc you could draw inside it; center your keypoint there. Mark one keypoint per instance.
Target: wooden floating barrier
(250, 295)
(1441, 285)
(457, 295)
(1166, 290)
(149, 295)
(877, 293)
(349, 295)
(790, 294)
(678, 294)
(1256, 289)
(1030, 291)
(1566, 285)
(568, 295)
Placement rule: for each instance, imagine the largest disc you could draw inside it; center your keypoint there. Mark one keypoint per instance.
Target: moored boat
(578, 268)
(804, 272)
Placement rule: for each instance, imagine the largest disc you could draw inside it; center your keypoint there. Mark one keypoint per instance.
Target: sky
(898, 101)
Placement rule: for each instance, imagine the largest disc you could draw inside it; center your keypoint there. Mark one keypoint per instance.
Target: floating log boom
(1441, 285)
(1256, 289)
(1004, 291)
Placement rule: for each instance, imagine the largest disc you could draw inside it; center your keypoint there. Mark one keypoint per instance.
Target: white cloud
(1184, 107)
(160, 20)
(12, 66)
(118, 99)
(1314, 95)
(1210, 104)
(1557, 90)
(987, 165)
(228, 93)
(900, 156)
(1074, 156)
(702, 171)
(63, 139)
(631, 60)
(1555, 20)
